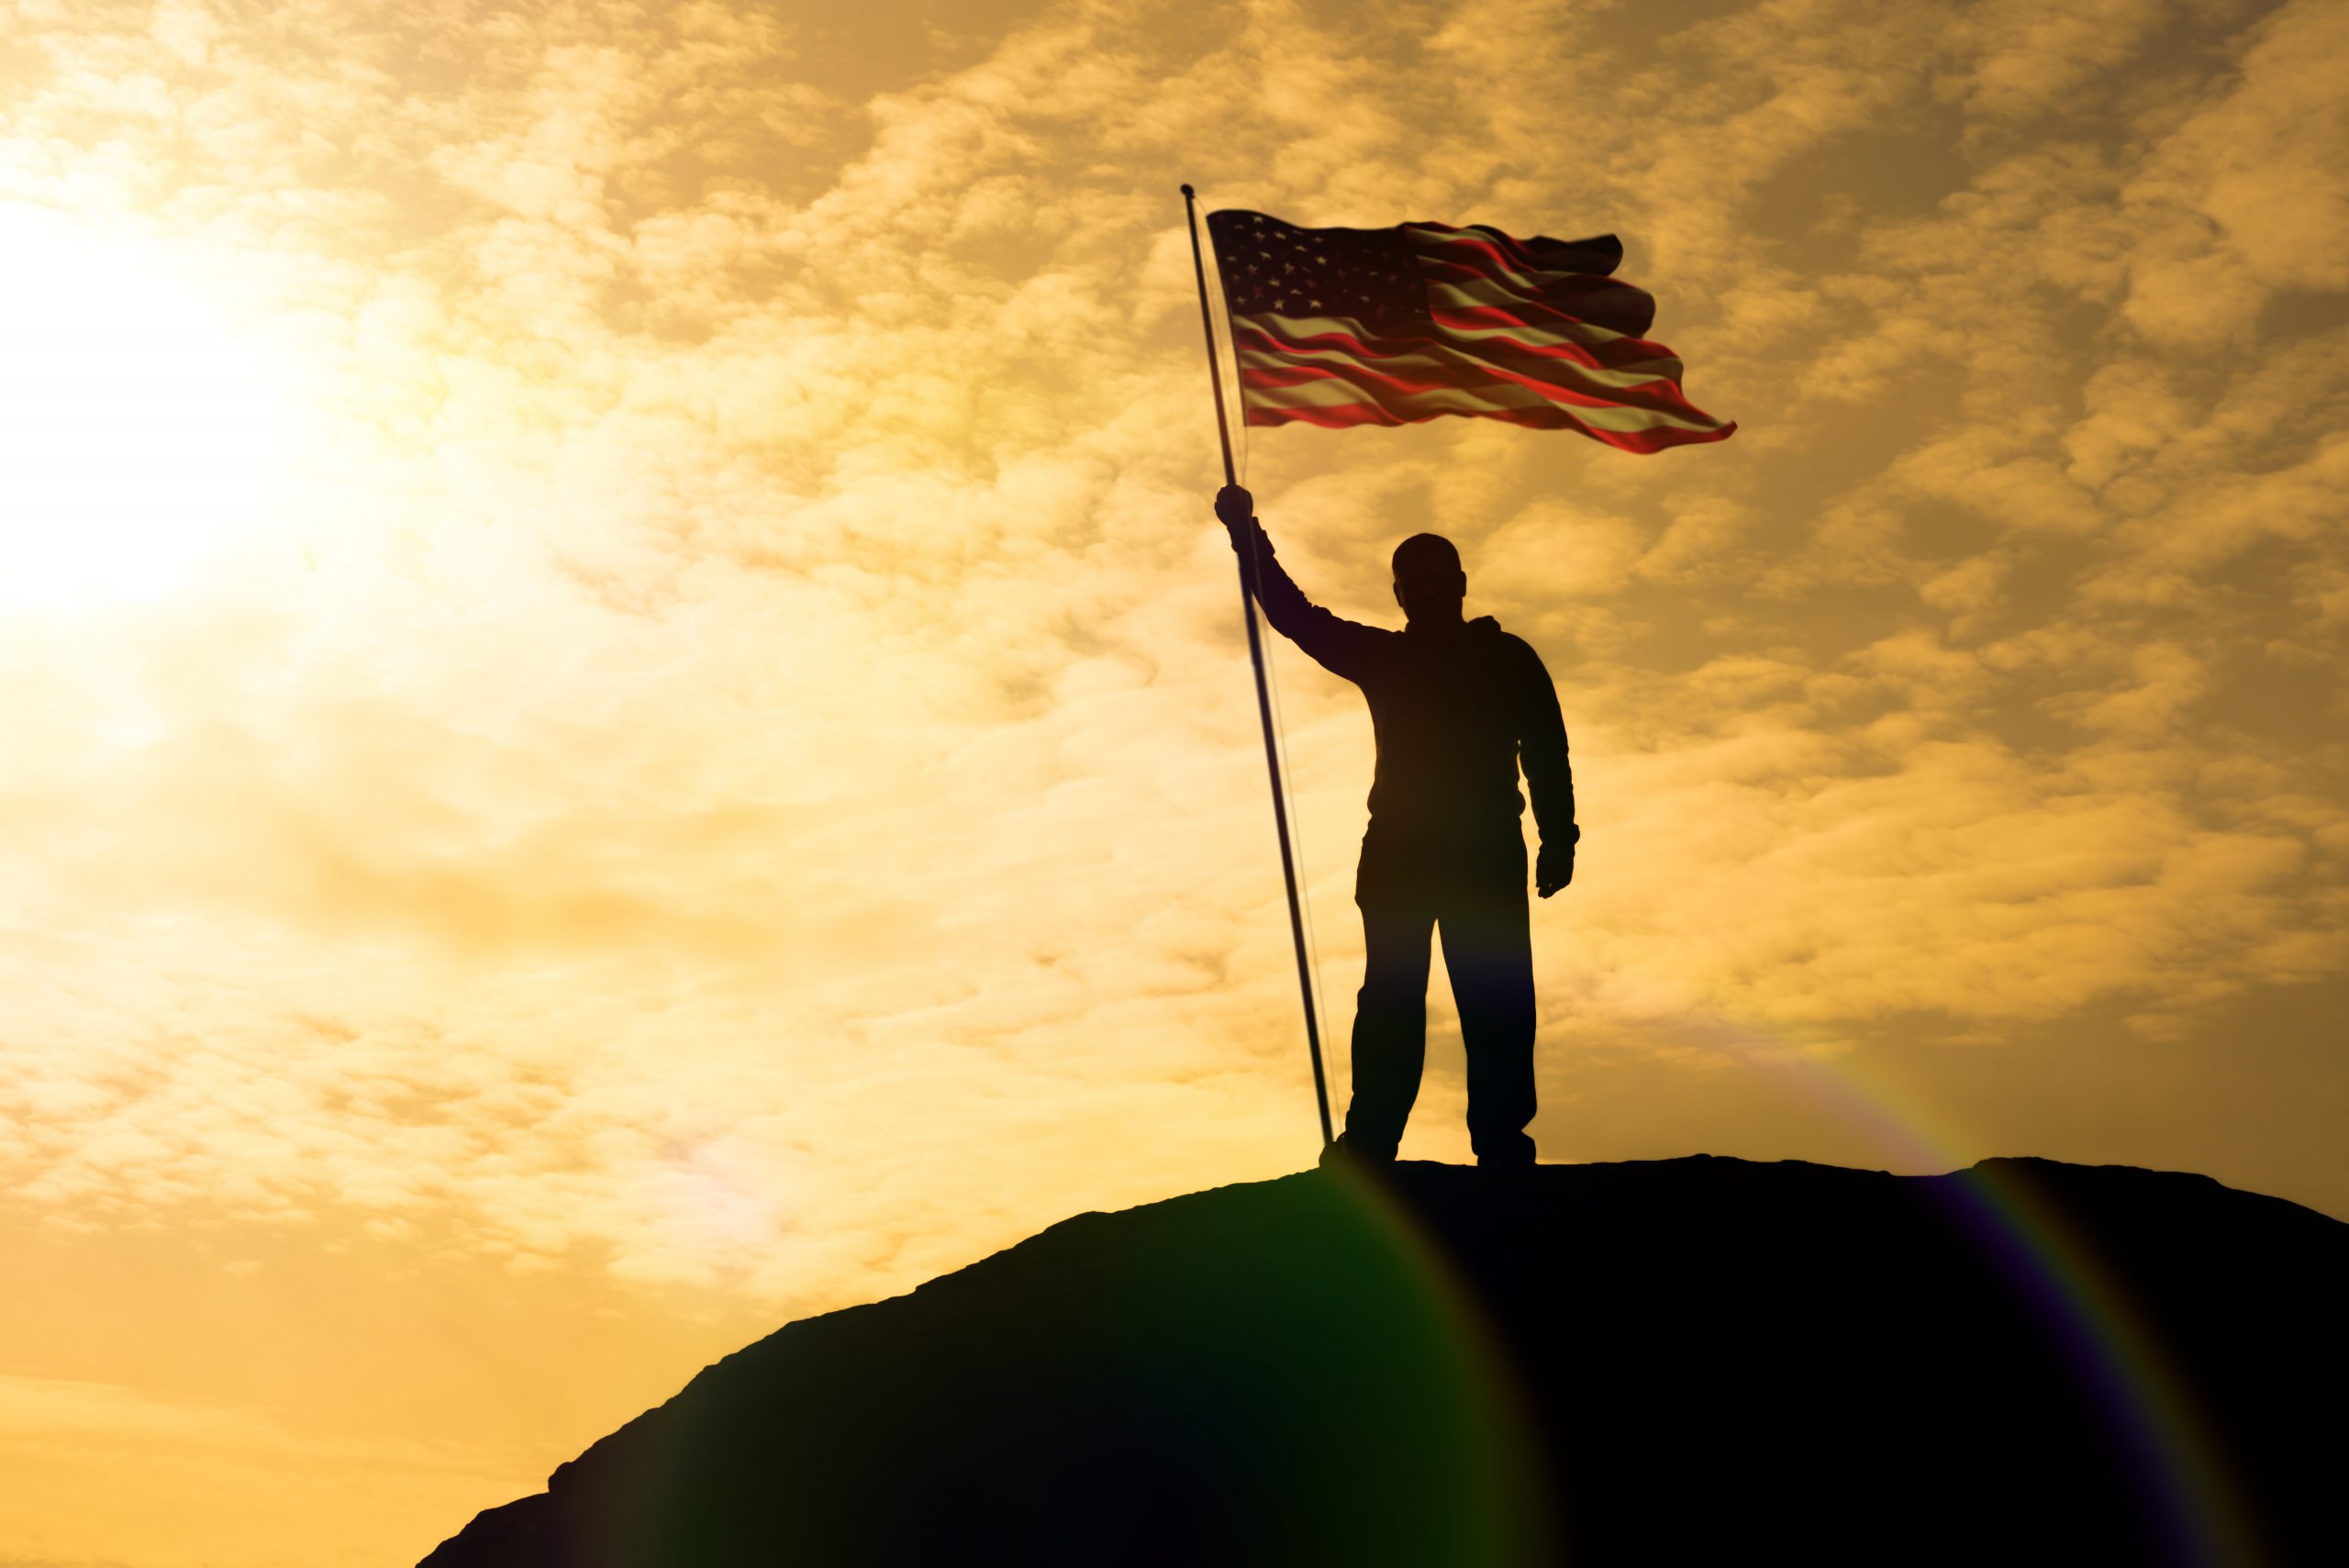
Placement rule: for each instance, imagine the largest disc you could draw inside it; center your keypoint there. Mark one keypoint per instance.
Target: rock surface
(1686, 1360)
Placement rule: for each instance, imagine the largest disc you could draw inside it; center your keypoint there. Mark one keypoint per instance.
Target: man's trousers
(1471, 891)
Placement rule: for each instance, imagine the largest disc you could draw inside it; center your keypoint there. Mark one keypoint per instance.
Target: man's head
(1429, 583)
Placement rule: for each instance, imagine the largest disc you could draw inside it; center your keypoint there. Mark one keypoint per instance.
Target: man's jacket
(1456, 711)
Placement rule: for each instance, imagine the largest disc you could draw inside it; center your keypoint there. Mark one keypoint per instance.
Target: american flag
(1338, 327)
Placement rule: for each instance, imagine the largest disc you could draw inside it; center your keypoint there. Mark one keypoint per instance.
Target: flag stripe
(1530, 286)
(1512, 341)
(1333, 347)
(1293, 387)
(1289, 384)
(1494, 249)
(1548, 417)
(1339, 391)
(1574, 340)
(1451, 307)
(1415, 378)
(1589, 299)
(1537, 286)
(1626, 313)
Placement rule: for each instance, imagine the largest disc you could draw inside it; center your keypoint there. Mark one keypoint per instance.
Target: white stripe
(1291, 328)
(1442, 359)
(1581, 332)
(1667, 366)
(1481, 291)
(1334, 393)
(1534, 280)
(1490, 291)
(1616, 386)
(1305, 326)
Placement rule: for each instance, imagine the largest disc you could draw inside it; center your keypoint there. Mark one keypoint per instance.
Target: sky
(625, 720)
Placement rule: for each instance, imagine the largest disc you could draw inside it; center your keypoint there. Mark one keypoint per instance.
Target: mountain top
(1684, 1361)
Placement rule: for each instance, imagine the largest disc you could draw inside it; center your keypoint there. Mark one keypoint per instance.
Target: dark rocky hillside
(1695, 1361)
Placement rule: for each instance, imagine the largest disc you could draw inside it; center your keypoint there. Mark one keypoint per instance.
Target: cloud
(2247, 195)
(2026, 61)
(709, 532)
(729, 765)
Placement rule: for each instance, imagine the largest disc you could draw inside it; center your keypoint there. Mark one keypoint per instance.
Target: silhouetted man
(1456, 705)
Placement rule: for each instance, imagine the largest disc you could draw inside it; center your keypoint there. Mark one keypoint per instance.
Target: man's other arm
(1549, 776)
(1340, 646)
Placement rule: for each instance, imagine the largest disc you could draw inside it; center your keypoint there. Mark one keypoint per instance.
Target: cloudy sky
(623, 719)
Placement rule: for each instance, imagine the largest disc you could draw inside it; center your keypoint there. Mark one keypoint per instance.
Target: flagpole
(1264, 693)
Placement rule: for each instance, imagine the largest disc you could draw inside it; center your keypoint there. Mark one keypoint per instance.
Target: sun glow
(140, 431)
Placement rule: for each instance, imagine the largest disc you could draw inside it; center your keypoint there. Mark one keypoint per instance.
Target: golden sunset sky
(621, 719)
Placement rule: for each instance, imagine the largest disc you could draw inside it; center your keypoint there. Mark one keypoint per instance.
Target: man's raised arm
(1340, 646)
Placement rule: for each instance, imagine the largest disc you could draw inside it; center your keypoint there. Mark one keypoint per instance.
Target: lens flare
(2149, 1408)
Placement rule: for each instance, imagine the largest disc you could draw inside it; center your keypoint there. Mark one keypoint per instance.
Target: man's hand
(1237, 509)
(1554, 867)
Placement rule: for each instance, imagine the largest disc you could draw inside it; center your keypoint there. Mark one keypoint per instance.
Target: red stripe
(1538, 285)
(1532, 314)
(1442, 260)
(1250, 333)
(1594, 255)
(1343, 416)
(1522, 363)
(1620, 354)
(1646, 395)
(1623, 353)
(1660, 396)
(1585, 296)
(1490, 243)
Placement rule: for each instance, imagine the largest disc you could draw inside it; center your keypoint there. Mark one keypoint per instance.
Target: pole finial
(1187, 192)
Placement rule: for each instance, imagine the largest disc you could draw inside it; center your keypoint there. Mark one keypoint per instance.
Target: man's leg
(1390, 1015)
(1488, 947)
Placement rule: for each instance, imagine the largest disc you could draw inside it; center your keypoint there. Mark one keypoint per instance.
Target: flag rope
(1249, 570)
